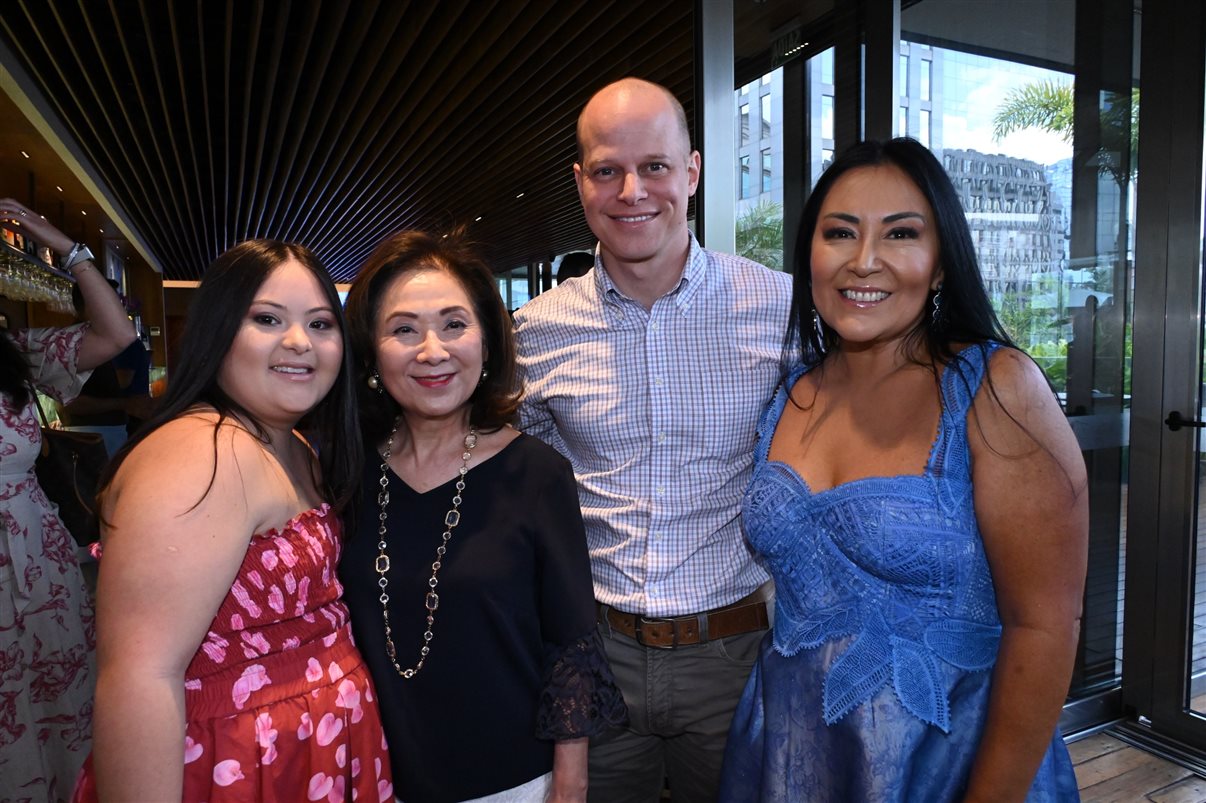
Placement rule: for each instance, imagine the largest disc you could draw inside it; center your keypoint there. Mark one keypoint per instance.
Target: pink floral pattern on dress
(46, 618)
(278, 701)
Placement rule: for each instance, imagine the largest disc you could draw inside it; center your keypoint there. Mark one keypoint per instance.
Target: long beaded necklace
(451, 519)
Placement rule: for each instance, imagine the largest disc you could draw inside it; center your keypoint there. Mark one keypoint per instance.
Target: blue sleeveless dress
(874, 683)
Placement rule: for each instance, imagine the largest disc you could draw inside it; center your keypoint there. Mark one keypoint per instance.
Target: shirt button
(661, 437)
(653, 326)
(661, 489)
(658, 381)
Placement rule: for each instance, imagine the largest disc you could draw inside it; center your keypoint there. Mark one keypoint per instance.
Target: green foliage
(1052, 357)
(760, 234)
(1051, 106)
(1044, 104)
(1036, 331)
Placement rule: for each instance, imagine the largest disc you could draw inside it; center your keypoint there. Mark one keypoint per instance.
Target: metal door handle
(1174, 421)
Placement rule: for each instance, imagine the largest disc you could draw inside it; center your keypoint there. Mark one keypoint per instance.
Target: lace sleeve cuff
(580, 697)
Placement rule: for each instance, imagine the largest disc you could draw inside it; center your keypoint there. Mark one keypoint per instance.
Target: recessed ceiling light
(520, 195)
(102, 231)
(57, 187)
(82, 212)
(479, 217)
(26, 155)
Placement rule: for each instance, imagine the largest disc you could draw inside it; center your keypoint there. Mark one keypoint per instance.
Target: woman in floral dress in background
(46, 634)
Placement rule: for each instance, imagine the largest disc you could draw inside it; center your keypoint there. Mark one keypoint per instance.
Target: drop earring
(374, 381)
(818, 328)
(937, 318)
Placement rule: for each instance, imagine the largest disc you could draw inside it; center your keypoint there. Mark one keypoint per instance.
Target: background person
(649, 374)
(117, 392)
(921, 502)
(489, 670)
(226, 664)
(46, 633)
(574, 264)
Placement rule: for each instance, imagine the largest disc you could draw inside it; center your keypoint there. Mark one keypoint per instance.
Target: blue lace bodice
(892, 566)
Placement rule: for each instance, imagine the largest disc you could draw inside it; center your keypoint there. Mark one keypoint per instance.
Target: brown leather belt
(743, 616)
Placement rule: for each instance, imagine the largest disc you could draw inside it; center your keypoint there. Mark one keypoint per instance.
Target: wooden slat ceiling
(335, 123)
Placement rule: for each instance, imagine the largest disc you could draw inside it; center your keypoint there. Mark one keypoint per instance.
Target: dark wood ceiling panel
(335, 123)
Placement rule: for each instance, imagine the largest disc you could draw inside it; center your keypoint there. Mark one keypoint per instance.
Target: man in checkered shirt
(650, 374)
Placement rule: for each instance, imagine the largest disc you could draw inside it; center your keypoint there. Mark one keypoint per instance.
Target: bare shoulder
(1016, 415)
(189, 460)
(1012, 371)
(1015, 390)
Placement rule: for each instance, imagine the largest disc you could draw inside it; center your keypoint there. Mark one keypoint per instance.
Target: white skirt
(534, 791)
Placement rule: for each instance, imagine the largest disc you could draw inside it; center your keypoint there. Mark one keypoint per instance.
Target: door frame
(1167, 342)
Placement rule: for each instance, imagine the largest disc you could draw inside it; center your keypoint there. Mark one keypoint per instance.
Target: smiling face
(286, 354)
(636, 173)
(429, 344)
(874, 256)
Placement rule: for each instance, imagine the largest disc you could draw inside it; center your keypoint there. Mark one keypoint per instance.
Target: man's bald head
(619, 97)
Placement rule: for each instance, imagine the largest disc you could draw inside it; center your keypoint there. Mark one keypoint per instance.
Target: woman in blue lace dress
(922, 505)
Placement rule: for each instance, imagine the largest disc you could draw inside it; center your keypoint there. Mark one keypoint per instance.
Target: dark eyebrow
(265, 303)
(444, 311)
(903, 215)
(887, 218)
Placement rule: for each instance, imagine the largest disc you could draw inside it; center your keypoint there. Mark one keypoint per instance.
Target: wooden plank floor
(1111, 771)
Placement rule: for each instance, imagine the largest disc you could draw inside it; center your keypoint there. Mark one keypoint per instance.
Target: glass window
(744, 118)
(758, 230)
(503, 283)
(1059, 280)
(825, 60)
(827, 117)
(904, 76)
(902, 123)
(520, 294)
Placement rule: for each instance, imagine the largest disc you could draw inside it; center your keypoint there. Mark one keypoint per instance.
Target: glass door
(1034, 124)
(1164, 680)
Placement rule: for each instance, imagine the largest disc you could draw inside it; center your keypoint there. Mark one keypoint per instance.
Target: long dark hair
(14, 373)
(494, 402)
(215, 315)
(967, 313)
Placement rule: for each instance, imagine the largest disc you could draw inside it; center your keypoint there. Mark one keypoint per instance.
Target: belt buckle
(642, 620)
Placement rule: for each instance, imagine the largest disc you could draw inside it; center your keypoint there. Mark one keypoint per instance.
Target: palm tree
(1050, 105)
(760, 234)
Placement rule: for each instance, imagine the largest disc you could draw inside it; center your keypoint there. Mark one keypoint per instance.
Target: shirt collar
(683, 293)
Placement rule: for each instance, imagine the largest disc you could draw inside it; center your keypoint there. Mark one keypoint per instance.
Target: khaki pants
(680, 704)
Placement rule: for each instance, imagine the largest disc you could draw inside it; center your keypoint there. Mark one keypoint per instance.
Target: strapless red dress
(278, 703)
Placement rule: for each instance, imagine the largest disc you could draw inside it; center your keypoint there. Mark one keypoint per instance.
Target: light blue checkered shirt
(657, 412)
